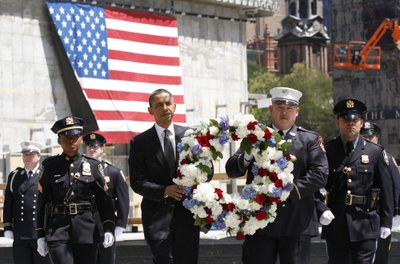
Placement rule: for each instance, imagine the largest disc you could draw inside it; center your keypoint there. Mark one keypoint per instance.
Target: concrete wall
(355, 20)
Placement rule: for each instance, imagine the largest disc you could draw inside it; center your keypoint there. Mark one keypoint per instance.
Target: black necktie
(169, 151)
(349, 148)
(280, 132)
(30, 173)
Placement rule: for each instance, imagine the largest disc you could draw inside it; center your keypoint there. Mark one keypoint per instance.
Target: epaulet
(108, 163)
(16, 170)
(89, 158)
(373, 143)
(300, 128)
(50, 158)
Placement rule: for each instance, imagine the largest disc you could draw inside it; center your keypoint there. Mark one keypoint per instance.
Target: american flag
(119, 58)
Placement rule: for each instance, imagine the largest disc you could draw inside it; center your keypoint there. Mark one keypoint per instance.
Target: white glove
(42, 247)
(385, 232)
(118, 232)
(326, 217)
(396, 224)
(9, 234)
(248, 157)
(108, 239)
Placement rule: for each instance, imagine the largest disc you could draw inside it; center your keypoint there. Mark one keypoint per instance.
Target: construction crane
(360, 55)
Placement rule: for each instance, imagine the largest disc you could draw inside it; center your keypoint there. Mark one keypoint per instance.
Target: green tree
(316, 104)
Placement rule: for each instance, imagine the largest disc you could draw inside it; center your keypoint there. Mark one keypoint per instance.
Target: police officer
(289, 234)
(371, 131)
(20, 202)
(359, 177)
(116, 188)
(73, 190)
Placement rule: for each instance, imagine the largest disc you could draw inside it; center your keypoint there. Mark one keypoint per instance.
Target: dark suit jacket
(149, 175)
(20, 204)
(310, 174)
(369, 169)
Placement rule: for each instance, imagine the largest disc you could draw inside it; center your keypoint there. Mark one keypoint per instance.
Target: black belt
(352, 199)
(73, 208)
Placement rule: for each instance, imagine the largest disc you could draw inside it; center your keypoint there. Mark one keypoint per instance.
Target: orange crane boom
(359, 55)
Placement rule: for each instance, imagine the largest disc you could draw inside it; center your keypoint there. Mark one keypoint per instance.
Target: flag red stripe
(147, 78)
(145, 38)
(143, 58)
(124, 96)
(140, 17)
(118, 137)
(132, 116)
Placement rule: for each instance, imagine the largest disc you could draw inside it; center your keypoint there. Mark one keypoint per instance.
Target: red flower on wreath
(278, 184)
(252, 125)
(261, 199)
(252, 138)
(234, 137)
(228, 207)
(267, 134)
(239, 235)
(203, 141)
(262, 172)
(273, 176)
(261, 215)
(219, 193)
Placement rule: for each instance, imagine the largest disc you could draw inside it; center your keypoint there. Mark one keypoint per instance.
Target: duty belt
(352, 199)
(73, 208)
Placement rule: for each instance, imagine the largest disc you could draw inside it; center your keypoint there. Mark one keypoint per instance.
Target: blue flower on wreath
(197, 149)
(254, 169)
(249, 193)
(276, 192)
(219, 224)
(189, 203)
(272, 142)
(282, 163)
(224, 124)
(179, 147)
(288, 187)
(223, 138)
(188, 191)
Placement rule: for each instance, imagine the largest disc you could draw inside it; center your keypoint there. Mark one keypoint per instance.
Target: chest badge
(86, 169)
(364, 159)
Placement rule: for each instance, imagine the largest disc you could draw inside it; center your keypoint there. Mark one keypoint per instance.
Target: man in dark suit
(20, 203)
(168, 227)
(72, 193)
(292, 225)
(372, 131)
(359, 181)
(116, 188)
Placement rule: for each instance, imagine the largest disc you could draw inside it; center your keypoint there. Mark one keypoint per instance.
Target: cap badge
(69, 121)
(364, 159)
(92, 136)
(349, 104)
(285, 91)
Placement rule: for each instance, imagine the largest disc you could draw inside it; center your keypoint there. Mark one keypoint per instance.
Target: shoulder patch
(299, 128)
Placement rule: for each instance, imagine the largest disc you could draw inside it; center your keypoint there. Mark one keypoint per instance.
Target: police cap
(68, 126)
(370, 129)
(30, 146)
(94, 140)
(350, 109)
(285, 95)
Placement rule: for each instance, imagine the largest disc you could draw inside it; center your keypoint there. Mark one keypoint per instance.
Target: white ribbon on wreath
(253, 209)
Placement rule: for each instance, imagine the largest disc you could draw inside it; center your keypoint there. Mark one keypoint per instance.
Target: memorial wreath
(253, 209)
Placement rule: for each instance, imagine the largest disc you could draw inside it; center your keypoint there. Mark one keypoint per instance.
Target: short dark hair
(157, 92)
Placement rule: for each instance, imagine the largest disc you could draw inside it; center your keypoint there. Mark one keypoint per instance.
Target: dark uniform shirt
(86, 177)
(20, 204)
(118, 191)
(365, 169)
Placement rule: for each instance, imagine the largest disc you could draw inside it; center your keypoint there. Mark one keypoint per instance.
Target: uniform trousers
(106, 255)
(342, 251)
(25, 252)
(182, 244)
(68, 253)
(382, 252)
(266, 250)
